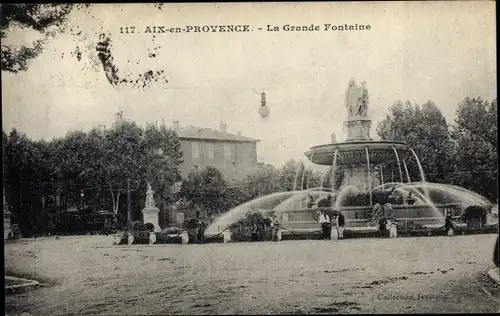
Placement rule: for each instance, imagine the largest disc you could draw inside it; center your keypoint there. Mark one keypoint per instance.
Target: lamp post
(263, 109)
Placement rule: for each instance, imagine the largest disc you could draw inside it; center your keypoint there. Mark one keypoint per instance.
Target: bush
(141, 237)
(163, 238)
(137, 226)
(149, 227)
(172, 230)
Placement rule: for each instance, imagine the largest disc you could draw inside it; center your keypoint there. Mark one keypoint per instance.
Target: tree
(426, 131)
(46, 19)
(475, 135)
(162, 157)
(23, 172)
(208, 189)
(288, 175)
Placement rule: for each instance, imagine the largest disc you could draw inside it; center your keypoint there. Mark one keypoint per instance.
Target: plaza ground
(86, 275)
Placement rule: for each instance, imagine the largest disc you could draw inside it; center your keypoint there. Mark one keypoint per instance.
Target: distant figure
(255, 236)
(392, 227)
(324, 221)
(410, 199)
(388, 210)
(382, 226)
(392, 197)
(107, 226)
(448, 225)
(377, 211)
(200, 227)
(274, 228)
(326, 201)
(340, 221)
(310, 201)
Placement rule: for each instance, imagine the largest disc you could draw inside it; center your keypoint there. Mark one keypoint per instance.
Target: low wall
(357, 217)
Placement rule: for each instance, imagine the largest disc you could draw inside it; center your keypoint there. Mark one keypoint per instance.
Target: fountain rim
(354, 146)
(359, 142)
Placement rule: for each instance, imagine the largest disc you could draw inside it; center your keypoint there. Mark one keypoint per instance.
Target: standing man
(324, 221)
(310, 201)
(274, 228)
(448, 224)
(340, 219)
(200, 226)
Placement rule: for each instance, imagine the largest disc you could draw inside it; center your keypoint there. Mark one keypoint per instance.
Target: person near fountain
(382, 226)
(448, 224)
(340, 224)
(310, 201)
(200, 227)
(326, 201)
(324, 221)
(410, 199)
(255, 235)
(274, 228)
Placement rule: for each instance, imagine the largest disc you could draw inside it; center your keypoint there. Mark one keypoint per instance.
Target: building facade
(234, 155)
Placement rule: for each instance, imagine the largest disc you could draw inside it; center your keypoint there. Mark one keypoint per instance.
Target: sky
(418, 51)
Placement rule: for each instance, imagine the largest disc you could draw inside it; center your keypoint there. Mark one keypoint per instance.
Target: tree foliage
(207, 189)
(46, 19)
(98, 164)
(424, 129)
(464, 154)
(475, 135)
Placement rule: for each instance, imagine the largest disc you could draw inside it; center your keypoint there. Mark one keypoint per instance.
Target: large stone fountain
(363, 175)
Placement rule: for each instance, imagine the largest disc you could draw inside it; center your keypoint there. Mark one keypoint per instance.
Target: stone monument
(357, 126)
(357, 129)
(150, 211)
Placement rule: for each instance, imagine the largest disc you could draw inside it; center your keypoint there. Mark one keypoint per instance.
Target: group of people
(337, 220)
(256, 230)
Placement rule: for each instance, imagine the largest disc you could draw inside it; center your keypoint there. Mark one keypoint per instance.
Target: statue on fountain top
(356, 99)
(150, 201)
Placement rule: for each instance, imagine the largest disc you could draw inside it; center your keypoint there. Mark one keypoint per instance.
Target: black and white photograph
(250, 158)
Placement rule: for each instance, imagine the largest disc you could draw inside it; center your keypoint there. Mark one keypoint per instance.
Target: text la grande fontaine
(317, 27)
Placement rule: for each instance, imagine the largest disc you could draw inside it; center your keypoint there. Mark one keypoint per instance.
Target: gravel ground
(86, 275)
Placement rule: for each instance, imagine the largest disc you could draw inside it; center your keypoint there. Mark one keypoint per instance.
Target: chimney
(223, 127)
(334, 138)
(176, 126)
(239, 133)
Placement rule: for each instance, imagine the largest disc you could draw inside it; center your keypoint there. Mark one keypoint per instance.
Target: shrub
(172, 230)
(149, 227)
(136, 226)
(163, 238)
(141, 237)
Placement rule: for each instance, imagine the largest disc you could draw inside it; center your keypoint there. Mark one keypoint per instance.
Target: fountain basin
(358, 217)
(354, 152)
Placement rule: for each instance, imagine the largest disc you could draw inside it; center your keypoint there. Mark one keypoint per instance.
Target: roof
(193, 132)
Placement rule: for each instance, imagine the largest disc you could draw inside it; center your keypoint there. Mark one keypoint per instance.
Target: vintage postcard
(250, 158)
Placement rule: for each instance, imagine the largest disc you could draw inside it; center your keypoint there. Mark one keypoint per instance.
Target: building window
(228, 152)
(196, 150)
(210, 150)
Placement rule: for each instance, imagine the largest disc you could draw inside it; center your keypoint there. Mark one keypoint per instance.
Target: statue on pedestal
(150, 211)
(356, 99)
(150, 201)
(351, 98)
(363, 100)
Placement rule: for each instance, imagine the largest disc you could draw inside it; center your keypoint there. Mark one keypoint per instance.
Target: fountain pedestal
(357, 128)
(358, 177)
